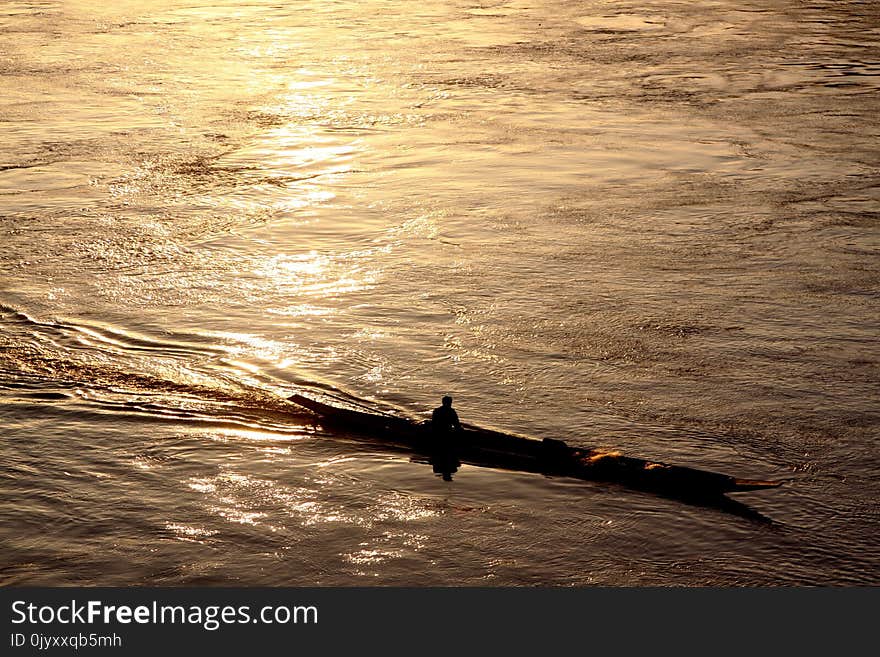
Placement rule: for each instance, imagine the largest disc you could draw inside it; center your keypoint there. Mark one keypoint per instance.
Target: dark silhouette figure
(444, 419)
(445, 427)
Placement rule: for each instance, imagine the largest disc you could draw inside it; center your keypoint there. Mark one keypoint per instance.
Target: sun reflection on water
(189, 533)
(258, 436)
(319, 275)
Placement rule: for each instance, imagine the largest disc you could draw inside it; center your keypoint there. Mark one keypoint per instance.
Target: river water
(649, 226)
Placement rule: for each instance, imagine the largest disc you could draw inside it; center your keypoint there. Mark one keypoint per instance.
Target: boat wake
(95, 372)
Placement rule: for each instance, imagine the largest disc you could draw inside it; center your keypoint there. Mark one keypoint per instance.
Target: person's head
(447, 401)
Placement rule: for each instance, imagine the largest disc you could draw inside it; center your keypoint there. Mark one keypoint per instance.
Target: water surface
(649, 226)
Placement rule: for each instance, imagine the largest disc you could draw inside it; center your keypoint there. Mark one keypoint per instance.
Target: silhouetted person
(446, 428)
(444, 419)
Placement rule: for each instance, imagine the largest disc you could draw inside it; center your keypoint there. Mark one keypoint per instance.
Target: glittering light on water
(189, 532)
(319, 275)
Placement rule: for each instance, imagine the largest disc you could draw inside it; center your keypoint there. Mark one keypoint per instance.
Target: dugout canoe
(551, 457)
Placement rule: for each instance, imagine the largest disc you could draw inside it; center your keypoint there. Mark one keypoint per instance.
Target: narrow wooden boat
(487, 448)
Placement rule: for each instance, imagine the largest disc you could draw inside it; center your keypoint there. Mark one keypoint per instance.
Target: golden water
(650, 226)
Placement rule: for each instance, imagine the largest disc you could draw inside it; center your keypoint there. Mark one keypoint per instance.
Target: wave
(96, 368)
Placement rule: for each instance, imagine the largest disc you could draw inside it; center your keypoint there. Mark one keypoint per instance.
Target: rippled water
(649, 226)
